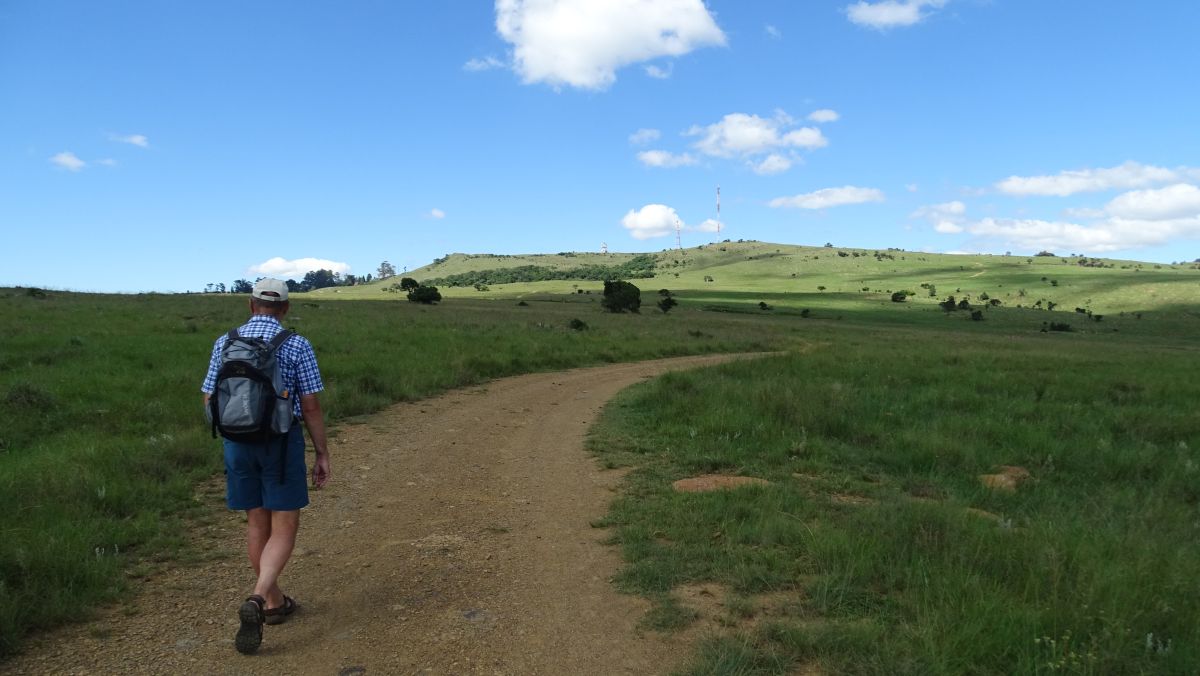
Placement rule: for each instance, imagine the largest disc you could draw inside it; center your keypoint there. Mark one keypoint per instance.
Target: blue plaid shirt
(297, 361)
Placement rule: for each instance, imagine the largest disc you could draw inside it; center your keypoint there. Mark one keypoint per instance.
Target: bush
(949, 305)
(427, 295)
(762, 305)
(408, 284)
(977, 315)
(666, 303)
(806, 313)
(621, 296)
(577, 324)
(899, 296)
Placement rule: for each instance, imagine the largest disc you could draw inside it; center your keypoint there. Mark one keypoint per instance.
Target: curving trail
(454, 539)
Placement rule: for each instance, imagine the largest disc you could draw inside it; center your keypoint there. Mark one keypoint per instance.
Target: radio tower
(678, 241)
(603, 247)
(718, 213)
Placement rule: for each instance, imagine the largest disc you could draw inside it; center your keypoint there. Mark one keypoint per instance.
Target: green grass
(1098, 553)
(102, 438)
(102, 442)
(761, 268)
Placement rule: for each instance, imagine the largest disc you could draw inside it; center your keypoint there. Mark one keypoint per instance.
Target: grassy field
(102, 435)
(897, 405)
(876, 549)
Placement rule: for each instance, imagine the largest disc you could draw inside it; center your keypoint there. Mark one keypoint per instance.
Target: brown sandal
(279, 615)
(249, 634)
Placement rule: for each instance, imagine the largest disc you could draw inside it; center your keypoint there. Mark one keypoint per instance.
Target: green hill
(825, 276)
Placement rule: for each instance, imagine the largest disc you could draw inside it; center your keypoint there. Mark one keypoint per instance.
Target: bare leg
(271, 536)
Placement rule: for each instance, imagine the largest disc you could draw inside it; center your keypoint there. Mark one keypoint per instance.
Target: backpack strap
(281, 338)
(233, 334)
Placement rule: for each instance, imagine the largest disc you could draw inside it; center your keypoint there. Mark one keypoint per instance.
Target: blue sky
(164, 145)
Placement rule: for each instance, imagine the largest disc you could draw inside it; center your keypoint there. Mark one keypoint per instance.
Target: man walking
(268, 479)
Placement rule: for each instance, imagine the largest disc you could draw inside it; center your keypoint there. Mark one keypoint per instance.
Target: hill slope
(781, 272)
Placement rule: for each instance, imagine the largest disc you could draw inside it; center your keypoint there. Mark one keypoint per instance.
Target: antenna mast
(603, 247)
(678, 241)
(718, 212)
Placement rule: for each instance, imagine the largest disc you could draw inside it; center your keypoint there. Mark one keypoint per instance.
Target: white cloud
(772, 31)
(741, 134)
(830, 197)
(486, 63)
(664, 159)
(582, 43)
(1128, 175)
(773, 164)
(644, 136)
(659, 220)
(437, 213)
(1176, 201)
(652, 220)
(912, 187)
(823, 115)
(890, 13)
(133, 139)
(660, 73)
(946, 218)
(1132, 220)
(68, 161)
(282, 268)
(108, 162)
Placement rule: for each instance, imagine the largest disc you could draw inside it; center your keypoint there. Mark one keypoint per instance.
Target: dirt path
(454, 539)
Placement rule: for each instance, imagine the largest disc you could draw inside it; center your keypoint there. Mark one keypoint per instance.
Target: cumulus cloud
(67, 160)
(486, 63)
(644, 136)
(108, 162)
(773, 164)
(660, 73)
(946, 218)
(281, 268)
(659, 220)
(823, 115)
(664, 159)
(739, 134)
(891, 13)
(1132, 220)
(437, 213)
(1176, 201)
(582, 43)
(772, 32)
(1125, 176)
(1084, 213)
(652, 220)
(830, 197)
(138, 140)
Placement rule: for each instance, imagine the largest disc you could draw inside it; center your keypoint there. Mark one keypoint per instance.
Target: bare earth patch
(454, 538)
(716, 482)
(1007, 478)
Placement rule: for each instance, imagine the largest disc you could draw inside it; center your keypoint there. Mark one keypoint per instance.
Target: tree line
(638, 267)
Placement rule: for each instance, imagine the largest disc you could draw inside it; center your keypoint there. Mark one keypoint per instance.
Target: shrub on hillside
(577, 324)
(899, 296)
(666, 303)
(620, 296)
(408, 284)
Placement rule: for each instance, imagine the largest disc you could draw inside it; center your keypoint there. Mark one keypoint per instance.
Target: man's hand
(320, 470)
(314, 420)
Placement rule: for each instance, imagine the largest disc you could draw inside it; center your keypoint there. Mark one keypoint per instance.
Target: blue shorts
(268, 474)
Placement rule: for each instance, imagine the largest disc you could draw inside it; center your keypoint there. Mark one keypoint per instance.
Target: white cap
(270, 290)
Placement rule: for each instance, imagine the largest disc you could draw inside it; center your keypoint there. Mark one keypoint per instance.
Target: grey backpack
(250, 401)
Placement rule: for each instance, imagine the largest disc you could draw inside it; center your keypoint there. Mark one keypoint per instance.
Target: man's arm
(314, 421)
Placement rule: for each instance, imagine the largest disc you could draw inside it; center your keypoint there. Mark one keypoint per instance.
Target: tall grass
(102, 438)
(873, 444)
